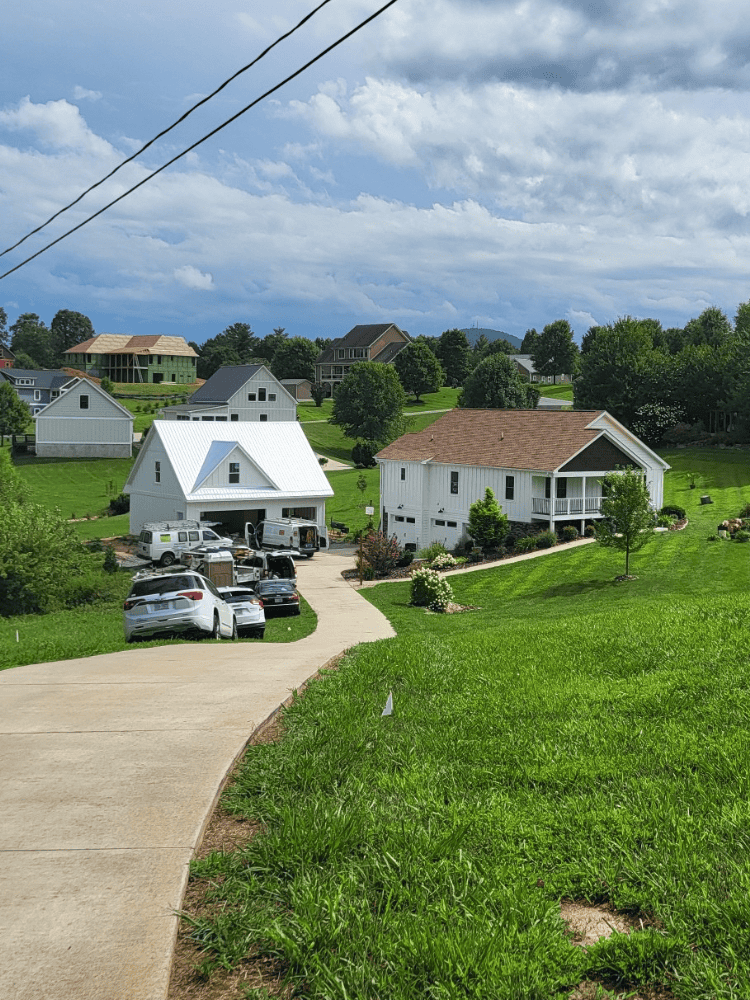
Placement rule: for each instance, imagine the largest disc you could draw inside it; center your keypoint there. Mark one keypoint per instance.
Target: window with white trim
(234, 472)
(83, 401)
(157, 472)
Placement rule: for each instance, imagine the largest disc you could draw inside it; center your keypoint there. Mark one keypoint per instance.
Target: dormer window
(234, 472)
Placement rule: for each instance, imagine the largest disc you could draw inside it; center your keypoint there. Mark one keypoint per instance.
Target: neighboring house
(237, 392)
(300, 388)
(123, 358)
(7, 357)
(84, 422)
(544, 467)
(525, 366)
(375, 342)
(37, 388)
(247, 472)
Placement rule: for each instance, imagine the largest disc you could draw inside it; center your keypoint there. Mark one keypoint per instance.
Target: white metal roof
(279, 450)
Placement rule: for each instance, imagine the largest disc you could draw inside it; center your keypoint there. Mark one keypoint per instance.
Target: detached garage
(230, 473)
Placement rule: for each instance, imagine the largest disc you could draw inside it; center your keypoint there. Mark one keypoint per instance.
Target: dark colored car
(279, 597)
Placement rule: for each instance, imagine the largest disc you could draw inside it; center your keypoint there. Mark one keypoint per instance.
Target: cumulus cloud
(191, 277)
(58, 124)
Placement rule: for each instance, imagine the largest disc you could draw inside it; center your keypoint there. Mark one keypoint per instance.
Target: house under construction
(122, 358)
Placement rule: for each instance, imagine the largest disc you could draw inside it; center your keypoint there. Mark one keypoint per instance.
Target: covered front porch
(566, 498)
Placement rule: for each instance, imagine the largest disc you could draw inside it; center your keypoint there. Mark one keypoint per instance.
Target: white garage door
(445, 531)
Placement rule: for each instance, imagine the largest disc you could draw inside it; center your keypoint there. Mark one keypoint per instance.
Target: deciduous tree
(628, 517)
(454, 354)
(496, 384)
(369, 402)
(419, 369)
(31, 336)
(295, 358)
(67, 329)
(555, 352)
(14, 413)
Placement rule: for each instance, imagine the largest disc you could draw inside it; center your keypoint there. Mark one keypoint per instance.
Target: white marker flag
(388, 710)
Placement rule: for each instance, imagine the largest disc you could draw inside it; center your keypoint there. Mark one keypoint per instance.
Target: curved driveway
(110, 769)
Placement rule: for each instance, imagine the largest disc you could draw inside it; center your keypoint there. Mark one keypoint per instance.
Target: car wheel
(235, 633)
(259, 633)
(167, 559)
(296, 612)
(216, 633)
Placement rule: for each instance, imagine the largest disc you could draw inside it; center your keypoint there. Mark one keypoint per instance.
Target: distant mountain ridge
(473, 333)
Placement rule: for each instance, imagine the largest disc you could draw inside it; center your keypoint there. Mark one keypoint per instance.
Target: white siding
(102, 429)
(152, 501)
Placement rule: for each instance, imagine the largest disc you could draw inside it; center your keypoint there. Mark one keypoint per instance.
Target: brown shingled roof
(504, 439)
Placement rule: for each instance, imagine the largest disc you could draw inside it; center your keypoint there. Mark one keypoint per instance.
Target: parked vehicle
(278, 596)
(239, 565)
(162, 541)
(176, 603)
(248, 610)
(257, 564)
(305, 537)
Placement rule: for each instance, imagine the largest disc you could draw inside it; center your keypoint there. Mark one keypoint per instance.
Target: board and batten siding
(101, 430)
(152, 501)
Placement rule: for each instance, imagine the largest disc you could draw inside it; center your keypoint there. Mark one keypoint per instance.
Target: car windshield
(274, 586)
(164, 585)
(238, 596)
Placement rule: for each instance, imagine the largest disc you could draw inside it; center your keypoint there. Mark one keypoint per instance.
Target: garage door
(445, 531)
(405, 530)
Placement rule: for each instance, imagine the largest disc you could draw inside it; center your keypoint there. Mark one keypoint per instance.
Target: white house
(544, 467)
(84, 421)
(237, 393)
(248, 472)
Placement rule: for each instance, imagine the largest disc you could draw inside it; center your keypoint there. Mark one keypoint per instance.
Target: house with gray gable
(84, 422)
(237, 393)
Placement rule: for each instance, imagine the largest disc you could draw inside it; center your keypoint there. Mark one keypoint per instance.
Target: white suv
(161, 604)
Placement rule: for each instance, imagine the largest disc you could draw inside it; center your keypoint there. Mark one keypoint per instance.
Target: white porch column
(583, 519)
(552, 496)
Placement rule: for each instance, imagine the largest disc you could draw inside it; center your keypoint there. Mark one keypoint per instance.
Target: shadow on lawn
(582, 587)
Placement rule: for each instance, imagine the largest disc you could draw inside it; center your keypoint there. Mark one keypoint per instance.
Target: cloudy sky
(456, 163)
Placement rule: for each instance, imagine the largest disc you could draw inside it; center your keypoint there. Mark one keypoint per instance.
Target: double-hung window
(234, 472)
(510, 485)
(454, 482)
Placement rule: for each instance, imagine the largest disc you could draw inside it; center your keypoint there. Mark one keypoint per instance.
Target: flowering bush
(429, 589)
(433, 550)
(444, 561)
(380, 552)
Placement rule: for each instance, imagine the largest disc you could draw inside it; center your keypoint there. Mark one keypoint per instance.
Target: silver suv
(177, 603)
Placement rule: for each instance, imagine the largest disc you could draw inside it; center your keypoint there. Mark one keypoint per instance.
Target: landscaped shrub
(674, 511)
(430, 589)
(712, 538)
(120, 504)
(664, 521)
(432, 551)
(745, 512)
(406, 558)
(488, 526)
(110, 560)
(525, 544)
(380, 552)
(590, 531)
(569, 533)
(444, 561)
(545, 539)
(363, 454)
(742, 536)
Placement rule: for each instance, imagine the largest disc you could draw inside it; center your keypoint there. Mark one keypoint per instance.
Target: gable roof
(537, 440)
(123, 343)
(90, 386)
(224, 382)
(43, 378)
(279, 451)
(363, 335)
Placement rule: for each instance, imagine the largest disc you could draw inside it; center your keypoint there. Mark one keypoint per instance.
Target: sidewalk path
(111, 766)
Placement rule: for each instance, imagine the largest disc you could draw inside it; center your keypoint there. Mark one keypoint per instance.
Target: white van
(162, 541)
(306, 537)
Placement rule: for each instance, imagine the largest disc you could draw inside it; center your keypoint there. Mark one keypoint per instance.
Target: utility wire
(226, 83)
(239, 114)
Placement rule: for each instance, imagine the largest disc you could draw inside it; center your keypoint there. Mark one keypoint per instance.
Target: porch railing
(570, 507)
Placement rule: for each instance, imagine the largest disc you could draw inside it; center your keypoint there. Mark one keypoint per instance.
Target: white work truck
(303, 537)
(163, 541)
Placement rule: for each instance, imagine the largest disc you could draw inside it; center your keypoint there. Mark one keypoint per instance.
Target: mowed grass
(572, 739)
(348, 505)
(329, 440)
(562, 391)
(78, 486)
(97, 628)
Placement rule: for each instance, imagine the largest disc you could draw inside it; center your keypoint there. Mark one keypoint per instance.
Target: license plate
(278, 600)
(160, 606)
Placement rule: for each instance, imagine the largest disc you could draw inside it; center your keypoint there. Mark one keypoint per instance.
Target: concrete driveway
(110, 769)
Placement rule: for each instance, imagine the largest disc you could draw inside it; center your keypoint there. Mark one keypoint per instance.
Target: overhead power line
(179, 121)
(209, 135)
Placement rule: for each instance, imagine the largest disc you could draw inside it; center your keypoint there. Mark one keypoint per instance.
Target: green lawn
(347, 506)
(154, 391)
(562, 391)
(329, 440)
(77, 486)
(573, 738)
